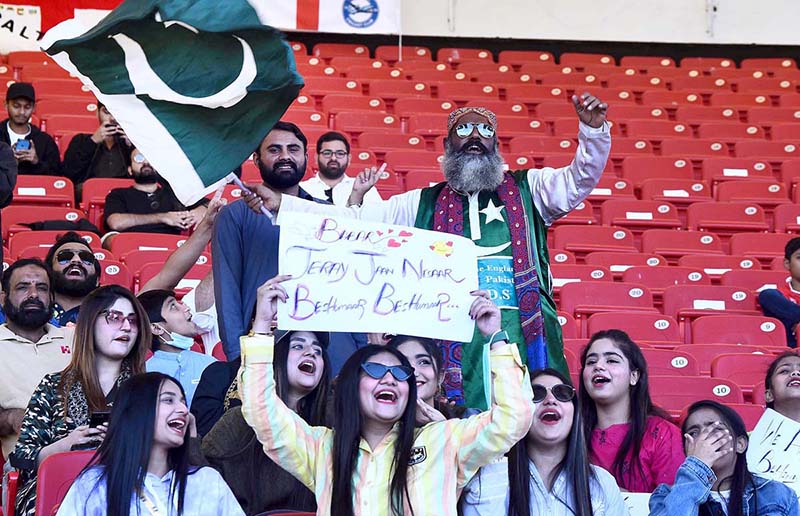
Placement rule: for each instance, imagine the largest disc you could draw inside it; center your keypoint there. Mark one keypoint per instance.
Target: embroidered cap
(458, 113)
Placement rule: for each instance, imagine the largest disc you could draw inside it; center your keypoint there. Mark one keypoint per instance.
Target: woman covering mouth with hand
(111, 341)
(375, 462)
(628, 435)
(548, 472)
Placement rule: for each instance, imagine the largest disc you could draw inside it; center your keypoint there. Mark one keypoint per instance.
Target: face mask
(180, 341)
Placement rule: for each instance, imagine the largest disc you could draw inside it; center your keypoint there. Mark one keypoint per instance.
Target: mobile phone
(98, 418)
(22, 145)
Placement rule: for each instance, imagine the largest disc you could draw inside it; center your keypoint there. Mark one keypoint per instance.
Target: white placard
(31, 190)
(619, 268)
(351, 275)
(560, 282)
(708, 304)
(638, 215)
(601, 191)
(774, 449)
(638, 504)
(21, 27)
(716, 272)
(735, 172)
(675, 193)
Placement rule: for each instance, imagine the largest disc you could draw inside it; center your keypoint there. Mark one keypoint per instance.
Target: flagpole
(264, 210)
(400, 32)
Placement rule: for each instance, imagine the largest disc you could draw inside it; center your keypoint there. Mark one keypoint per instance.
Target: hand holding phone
(22, 145)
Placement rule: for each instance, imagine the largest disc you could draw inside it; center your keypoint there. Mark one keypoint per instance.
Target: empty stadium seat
(753, 330)
(587, 298)
(561, 256)
(637, 169)
(670, 362)
(573, 273)
(659, 278)
(327, 50)
(763, 246)
(392, 53)
(532, 94)
(638, 216)
(610, 187)
(754, 280)
(44, 190)
(746, 369)
(705, 353)
(381, 142)
(569, 328)
(94, 195)
(671, 98)
(61, 88)
(767, 194)
(356, 122)
(693, 114)
(581, 214)
(123, 243)
(787, 218)
(647, 63)
(716, 170)
(113, 272)
(540, 146)
(653, 328)
(693, 148)
(15, 217)
(584, 239)
(768, 150)
(679, 192)
(715, 266)
(43, 240)
(658, 129)
(672, 244)
(459, 55)
(726, 218)
(730, 132)
(688, 302)
(618, 263)
(673, 393)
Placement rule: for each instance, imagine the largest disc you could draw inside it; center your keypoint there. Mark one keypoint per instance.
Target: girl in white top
(548, 472)
(143, 465)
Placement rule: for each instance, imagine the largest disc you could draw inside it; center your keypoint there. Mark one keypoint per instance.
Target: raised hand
(427, 414)
(261, 195)
(267, 297)
(485, 313)
(591, 111)
(711, 444)
(363, 182)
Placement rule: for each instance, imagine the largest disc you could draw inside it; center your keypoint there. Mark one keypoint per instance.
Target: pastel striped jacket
(445, 456)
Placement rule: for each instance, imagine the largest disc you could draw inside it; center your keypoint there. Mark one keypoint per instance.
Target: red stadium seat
(337, 103)
(33, 72)
(347, 62)
(327, 50)
(466, 91)
(585, 239)
(43, 240)
(624, 147)
(367, 73)
(115, 273)
(673, 244)
(716, 170)
(678, 192)
(688, 302)
(318, 87)
(670, 99)
(393, 53)
(730, 132)
(787, 218)
(610, 187)
(540, 146)
(61, 88)
(726, 218)
(638, 216)
(435, 77)
(673, 393)
(356, 122)
(755, 281)
(586, 298)
(428, 124)
(636, 83)
(25, 57)
(408, 106)
(707, 63)
(14, 217)
(659, 278)
(58, 124)
(625, 112)
(772, 85)
(753, 330)
(715, 266)
(618, 263)
(653, 328)
(578, 82)
(768, 194)
(532, 94)
(573, 273)
(772, 63)
(582, 214)
(46, 108)
(693, 148)
(136, 259)
(746, 369)
(648, 63)
(94, 195)
(786, 132)
(582, 59)
(670, 362)
(520, 57)
(55, 476)
(380, 142)
(693, 114)
(124, 243)
(412, 161)
(569, 328)
(772, 151)
(705, 353)
(740, 100)
(658, 129)
(770, 115)
(44, 190)
(701, 84)
(762, 246)
(639, 168)
(459, 55)
(561, 256)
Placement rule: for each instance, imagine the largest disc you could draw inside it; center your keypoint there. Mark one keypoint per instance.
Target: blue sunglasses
(378, 371)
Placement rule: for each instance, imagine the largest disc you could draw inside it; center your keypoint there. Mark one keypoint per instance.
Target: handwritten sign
(774, 450)
(638, 504)
(357, 276)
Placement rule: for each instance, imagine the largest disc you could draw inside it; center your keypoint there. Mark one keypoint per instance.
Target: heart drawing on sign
(393, 243)
(406, 234)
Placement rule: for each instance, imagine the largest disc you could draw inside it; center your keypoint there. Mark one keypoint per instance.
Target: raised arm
(482, 438)
(558, 191)
(287, 439)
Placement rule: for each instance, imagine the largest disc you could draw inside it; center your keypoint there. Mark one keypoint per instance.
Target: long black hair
(741, 477)
(312, 406)
(125, 451)
(348, 424)
(641, 406)
(574, 465)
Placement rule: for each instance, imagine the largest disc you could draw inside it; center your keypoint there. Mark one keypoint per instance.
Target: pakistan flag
(195, 84)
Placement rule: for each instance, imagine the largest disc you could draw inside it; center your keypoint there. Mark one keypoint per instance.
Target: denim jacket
(693, 486)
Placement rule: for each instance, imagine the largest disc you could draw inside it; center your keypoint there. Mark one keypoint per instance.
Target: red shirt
(788, 292)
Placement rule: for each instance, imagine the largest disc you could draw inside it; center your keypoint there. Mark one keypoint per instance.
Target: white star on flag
(492, 212)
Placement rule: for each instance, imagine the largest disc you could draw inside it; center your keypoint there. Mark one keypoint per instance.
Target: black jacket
(47, 150)
(8, 178)
(82, 153)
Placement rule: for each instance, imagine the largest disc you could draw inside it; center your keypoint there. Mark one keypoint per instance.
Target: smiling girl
(628, 435)
(548, 472)
(143, 465)
(374, 462)
(111, 341)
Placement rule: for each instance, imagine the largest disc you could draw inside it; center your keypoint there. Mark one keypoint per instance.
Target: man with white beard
(505, 213)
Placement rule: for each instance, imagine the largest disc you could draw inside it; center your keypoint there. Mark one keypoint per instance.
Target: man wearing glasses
(75, 273)
(331, 181)
(506, 214)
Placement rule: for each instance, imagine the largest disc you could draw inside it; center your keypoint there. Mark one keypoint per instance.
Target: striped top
(445, 456)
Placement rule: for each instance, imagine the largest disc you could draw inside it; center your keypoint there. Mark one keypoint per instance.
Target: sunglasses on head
(378, 371)
(465, 129)
(65, 256)
(562, 392)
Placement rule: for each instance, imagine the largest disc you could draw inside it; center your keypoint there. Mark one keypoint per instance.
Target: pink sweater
(660, 456)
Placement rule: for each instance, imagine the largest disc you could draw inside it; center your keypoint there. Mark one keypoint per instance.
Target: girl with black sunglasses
(375, 461)
(548, 472)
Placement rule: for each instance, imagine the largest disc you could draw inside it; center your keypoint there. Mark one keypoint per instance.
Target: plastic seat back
(55, 476)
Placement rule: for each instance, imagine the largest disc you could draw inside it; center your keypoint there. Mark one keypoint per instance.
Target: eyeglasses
(562, 392)
(464, 130)
(65, 256)
(139, 158)
(327, 153)
(114, 318)
(378, 371)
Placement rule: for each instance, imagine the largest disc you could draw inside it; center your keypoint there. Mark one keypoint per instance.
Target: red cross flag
(350, 16)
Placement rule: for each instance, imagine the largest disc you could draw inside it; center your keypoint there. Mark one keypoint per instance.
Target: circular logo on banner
(360, 13)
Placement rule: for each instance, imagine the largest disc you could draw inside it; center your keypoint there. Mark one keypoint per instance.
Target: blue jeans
(774, 304)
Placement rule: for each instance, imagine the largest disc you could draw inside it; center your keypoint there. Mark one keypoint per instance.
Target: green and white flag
(195, 84)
